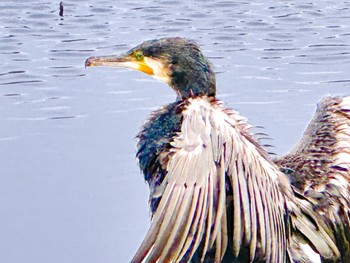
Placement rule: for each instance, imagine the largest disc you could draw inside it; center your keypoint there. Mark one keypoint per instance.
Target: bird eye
(139, 55)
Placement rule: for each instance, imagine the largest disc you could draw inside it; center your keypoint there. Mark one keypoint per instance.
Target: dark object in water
(61, 9)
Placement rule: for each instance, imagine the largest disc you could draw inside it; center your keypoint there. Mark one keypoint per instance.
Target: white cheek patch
(159, 71)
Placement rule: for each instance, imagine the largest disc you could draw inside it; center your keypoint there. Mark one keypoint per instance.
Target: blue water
(70, 188)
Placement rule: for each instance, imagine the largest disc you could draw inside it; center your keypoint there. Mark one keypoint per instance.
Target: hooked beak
(124, 61)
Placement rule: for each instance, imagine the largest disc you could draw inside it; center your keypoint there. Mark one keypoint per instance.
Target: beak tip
(89, 62)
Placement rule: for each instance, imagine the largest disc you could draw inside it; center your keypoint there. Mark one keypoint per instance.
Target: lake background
(70, 188)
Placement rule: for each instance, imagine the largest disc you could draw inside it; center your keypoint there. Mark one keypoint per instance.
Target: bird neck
(193, 79)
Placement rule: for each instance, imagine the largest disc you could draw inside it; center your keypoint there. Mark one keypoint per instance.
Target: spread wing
(319, 167)
(216, 173)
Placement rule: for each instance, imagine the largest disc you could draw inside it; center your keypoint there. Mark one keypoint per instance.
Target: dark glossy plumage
(215, 194)
(154, 138)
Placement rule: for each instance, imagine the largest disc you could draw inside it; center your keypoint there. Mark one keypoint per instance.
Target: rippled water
(70, 190)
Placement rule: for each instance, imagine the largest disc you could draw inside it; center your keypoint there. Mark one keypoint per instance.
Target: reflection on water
(70, 190)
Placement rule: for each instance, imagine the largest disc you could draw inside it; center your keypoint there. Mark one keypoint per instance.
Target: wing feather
(172, 249)
(221, 209)
(254, 217)
(197, 229)
(319, 168)
(153, 231)
(167, 225)
(191, 237)
(212, 153)
(260, 219)
(244, 196)
(237, 224)
(209, 216)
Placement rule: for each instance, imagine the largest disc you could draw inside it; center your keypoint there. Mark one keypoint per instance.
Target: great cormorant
(215, 193)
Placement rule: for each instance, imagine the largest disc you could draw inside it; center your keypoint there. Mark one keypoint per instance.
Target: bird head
(179, 62)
